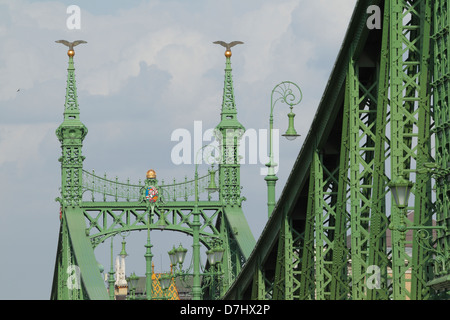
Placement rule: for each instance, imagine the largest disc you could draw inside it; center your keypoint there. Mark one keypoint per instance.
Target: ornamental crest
(151, 194)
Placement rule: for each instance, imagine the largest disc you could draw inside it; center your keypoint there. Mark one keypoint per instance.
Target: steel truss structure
(383, 116)
(335, 233)
(94, 208)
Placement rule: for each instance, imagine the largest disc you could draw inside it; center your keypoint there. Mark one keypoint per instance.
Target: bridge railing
(115, 190)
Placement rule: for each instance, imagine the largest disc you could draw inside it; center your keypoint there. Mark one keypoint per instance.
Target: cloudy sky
(148, 69)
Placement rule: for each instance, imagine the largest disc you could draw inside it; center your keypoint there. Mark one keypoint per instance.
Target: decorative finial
(71, 52)
(228, 46)
(151, 174)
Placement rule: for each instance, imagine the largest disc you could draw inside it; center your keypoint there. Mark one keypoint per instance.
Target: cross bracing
(376, 123)
(95, 209)
(335, 232)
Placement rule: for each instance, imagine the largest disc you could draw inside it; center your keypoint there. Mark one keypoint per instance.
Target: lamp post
(164, 281)
(152, 195)
(177, 255)
(285, 91)
(133, 280)
(401, 189)
(111, 274)
(196, 288)
(148, 264)
(214, 256)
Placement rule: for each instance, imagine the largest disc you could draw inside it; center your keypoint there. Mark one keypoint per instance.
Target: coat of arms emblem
(151, 194)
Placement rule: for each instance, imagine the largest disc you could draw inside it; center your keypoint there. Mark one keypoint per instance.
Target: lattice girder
(107, 219)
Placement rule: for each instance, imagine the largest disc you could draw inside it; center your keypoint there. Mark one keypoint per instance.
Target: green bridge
(364, 214)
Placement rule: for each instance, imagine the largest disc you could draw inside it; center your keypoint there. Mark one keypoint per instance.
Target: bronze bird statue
(228, 46)
(71, 52)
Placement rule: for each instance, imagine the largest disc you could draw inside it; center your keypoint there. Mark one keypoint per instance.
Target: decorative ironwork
(116, 206)
(126, 191)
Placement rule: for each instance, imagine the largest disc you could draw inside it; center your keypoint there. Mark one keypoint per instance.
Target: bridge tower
(71, 134)
(95, 209)
(228, 133)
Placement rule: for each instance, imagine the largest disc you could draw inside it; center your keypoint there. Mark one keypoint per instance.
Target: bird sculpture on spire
(71, 52)
(228, 46)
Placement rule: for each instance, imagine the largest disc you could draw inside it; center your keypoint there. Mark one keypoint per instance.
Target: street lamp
(162, 221)
(180, 254)
(212, 187)
(164, 280)
(123, 254)
(196, 288)
(173, 257)
(401, 189)
(215, 255)
(133, 280)
(291, 134)
(152, 196)
(176, 256)
(289, 93)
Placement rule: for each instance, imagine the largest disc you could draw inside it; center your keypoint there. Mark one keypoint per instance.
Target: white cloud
(263, 28)
(20, 144)
(324, 21)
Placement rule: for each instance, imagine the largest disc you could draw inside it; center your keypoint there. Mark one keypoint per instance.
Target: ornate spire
(71, 134)
(71, 110)
(228, 133)
(229, 112)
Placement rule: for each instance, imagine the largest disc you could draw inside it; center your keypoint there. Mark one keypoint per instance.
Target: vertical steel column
(324, 212)
(258, 287)
(399, 257)
(378, 255)
(283, 284)
(340, 288)
(409, 37)
(423, 207)
(307, 275)
(441, 94)
(360, 167)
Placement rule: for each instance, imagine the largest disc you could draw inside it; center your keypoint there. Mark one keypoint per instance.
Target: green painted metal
(307, 276)
(228, 133)
(340, 288)
(94, 208)
(441, 95)
(284, 270)
(378, 251)
(423, 204)
(334, 234)
(387, 98)
(289, 93)
(83, 252)
(259, 287)
(71, 134)
(410, 120)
